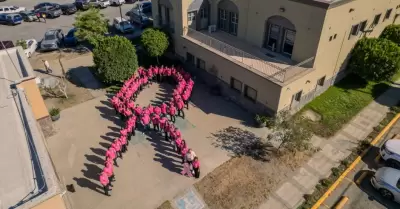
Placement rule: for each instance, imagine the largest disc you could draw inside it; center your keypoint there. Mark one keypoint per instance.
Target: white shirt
(190, 155)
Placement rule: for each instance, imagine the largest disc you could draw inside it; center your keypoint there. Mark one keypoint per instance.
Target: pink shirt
(163, 120)
(110, 153)
(155, 119)
(138, 110)
(172, 110)
(151, 109)
(146, 111)
(186, 95)
(180, 104)
(177, 133)
(157, 110)
(122, 140)
(184, 151)
(127, 112)
(131, 104)
(155, 70)
(116, 145)
(108, 170)
(196, 164)
(104, 179)
(123, 132)
(178, 141)
(164, 108)
(145, 119)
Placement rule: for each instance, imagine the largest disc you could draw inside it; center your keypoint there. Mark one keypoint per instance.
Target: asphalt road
(36, 30)
(357, 187)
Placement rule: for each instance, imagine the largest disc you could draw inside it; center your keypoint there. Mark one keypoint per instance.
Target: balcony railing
(268, 69)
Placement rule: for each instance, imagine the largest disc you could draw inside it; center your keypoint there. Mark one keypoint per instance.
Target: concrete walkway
(290, 194)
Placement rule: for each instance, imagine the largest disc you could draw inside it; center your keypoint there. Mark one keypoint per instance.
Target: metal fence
(268, 69)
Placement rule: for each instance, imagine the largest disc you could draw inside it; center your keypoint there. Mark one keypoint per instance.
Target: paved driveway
(149, 172)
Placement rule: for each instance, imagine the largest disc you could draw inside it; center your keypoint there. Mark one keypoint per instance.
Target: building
(27, 176)
(271, 55)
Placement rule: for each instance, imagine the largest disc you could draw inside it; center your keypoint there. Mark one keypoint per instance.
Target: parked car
(10, 19)
(133, 1)
(52, 40)
(82, 4)
(31, 46)
(144, 7)
(49, 11)
(122, 25)
(140, 18)
(68, 9)
(11, 9)
(390, 152)
(28, 16)
(99, 3)
(387, 181)
(45, 4)
(70, 39)
(117, 2)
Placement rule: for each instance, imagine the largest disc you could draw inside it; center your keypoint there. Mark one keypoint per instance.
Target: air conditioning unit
(212, 28)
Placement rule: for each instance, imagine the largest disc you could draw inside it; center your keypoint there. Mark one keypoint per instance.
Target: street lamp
(120, 10)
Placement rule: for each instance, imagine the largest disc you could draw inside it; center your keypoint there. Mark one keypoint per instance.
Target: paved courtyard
(149, 171)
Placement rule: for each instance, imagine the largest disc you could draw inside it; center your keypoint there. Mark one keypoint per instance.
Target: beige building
(271, 54)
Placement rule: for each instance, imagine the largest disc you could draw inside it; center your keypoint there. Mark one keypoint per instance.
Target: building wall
(35, 99)
(55, 202)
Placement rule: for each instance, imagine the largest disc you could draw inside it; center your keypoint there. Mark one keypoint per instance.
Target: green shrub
(335, 171)
(375, 59)
(54, 111)
(115, 59)
(392, 33)
(345, 162)
(21, 43)
(155, 42)
(325, 182)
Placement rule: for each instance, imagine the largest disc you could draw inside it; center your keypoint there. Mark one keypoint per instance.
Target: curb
(354, 163)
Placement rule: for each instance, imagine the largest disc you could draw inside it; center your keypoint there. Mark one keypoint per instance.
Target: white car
(11, 9)
(390, 152)
(122, 25)
(387, 181)
(117, 2)
(99, 3)
(31, 46)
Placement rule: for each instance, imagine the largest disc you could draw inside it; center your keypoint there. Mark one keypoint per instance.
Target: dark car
(70, 39)
(68, 9)
(29, 16)
(50, 12)
(144, 7)
(45, 4)
(10, 19)
(82, 4)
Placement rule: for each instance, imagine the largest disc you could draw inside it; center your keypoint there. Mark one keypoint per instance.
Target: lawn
(341, 102)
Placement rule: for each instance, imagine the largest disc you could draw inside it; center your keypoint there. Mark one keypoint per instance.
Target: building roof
(195, 5)
(27, 175)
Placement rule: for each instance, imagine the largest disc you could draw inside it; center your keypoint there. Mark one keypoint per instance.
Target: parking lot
(36, 30)
(357, 187)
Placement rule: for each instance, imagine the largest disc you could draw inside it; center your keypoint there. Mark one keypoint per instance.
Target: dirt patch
(312, 115)
(166, 205)
(245, 183)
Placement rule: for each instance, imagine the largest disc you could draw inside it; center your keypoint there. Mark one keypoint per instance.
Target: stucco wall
(35, 99)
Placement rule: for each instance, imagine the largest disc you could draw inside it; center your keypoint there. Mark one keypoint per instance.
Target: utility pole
(120, 10)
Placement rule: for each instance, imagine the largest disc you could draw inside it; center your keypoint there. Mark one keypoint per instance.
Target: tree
(115, 59)
(90, 25)
(375, 59)
(155, 42)
(391, 32)
(290, 133)
(22, 43)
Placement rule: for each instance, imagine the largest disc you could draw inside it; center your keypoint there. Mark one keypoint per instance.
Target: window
(234, 20)
(330, 38)
(201, 64)
(236, 84)
(189, 58)
(363, 25)
(191, 16)
(273, 36)
(334, 36)
(354, 29)
(288, 42)
(376, 19)
(30, 43)
(297, 96)
(250, 93)
(388, 13)
(321, 81)
(204, 13)
(223, 14)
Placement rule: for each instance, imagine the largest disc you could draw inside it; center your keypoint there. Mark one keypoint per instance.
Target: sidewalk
(290, 194)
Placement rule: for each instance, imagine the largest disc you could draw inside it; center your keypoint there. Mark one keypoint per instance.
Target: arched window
(280, 35)
(228, 17)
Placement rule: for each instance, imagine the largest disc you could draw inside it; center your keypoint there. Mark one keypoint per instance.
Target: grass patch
(324, 184)
(341, 102)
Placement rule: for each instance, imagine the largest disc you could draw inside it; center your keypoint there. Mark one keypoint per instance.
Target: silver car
(52, 40)
(387, 181)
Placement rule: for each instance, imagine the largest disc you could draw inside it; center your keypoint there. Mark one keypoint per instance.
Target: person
(123, 141)
(180, 105)
(164, 109)
(178, 144)
(38, 16)
(156, 122)
(172, 112)
(117, 146)
(105, 182)
(171, 133)
(145, 122)
(157, 110)
(185, 97)
(109, 170)
(177, 133)
(184, 150)
(190, 156)
(196, 167)
(47, 66)
(44, 17)
(112, 154)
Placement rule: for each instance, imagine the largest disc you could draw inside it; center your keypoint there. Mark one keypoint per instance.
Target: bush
(21, 43)
(375, 59)
(155, 42)
(115, 59)
(391, 32)
(54, 111)
(335, 171)
(91, 25)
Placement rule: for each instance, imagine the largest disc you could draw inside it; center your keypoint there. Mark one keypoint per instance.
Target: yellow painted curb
(355, 162)
(341, 203)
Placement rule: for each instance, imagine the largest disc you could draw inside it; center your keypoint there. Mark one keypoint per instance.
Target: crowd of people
(136, 117)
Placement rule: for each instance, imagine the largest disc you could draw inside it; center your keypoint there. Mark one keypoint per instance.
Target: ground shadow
(86, 183)
(369, 158)
(109, 114)
(82, 76)
(241, 142)
(92, 171)
(95, 159)
(98, 151)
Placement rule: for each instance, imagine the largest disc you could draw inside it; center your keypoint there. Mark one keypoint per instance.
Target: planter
(55, 117)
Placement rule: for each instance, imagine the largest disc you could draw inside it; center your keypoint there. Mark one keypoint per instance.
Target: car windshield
(49, 37)
(125, 23)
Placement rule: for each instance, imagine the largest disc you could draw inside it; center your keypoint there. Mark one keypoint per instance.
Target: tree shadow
(239, 142)
(86, 183)
(82, 76)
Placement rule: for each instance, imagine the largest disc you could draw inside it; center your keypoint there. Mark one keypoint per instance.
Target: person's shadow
(86, 183)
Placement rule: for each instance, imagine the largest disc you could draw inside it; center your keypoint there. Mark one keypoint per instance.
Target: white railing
(268, 69)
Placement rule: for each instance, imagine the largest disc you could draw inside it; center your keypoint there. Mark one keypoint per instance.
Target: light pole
(120, 10)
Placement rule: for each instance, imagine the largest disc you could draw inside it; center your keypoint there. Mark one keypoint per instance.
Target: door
(296, 99)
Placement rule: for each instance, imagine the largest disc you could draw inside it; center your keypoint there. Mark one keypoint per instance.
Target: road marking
(376, 160)
(323, 204)
(361, 178)
(355, 162)
(349, 180)
(341, 203)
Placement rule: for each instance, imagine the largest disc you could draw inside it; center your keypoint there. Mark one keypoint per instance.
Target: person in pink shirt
(151, 109)
(124, 142)
(196, 167)
(105, 182)
(164, 108)
(163, 120)
(156, 73)
(157, 110)
(155, 119)
(117, 146)
(112, 154)
(178, 133)
(145, 81)
(145, 119)
(131, 105)
(172, 111)
(178, 144)
(171, 133)
(185, 97)
(146, 111)
(184, 150)
(138, 110)
(167, 127)
(180, 105)
(109, 170)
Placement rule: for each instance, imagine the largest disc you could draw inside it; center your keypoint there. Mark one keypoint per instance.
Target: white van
(122, 25)
(390, 152)
(11, 9)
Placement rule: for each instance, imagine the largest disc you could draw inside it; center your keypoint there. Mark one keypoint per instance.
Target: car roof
(389, 175)
(51, 32)
(393, 145)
